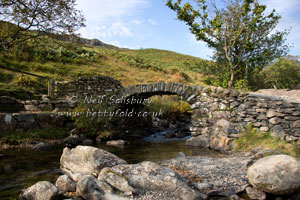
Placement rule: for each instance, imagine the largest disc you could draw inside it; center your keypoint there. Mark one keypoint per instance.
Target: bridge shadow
(163, 107)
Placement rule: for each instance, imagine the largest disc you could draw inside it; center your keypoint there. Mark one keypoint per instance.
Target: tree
(240, 34)
(284, 73)
(40, 16)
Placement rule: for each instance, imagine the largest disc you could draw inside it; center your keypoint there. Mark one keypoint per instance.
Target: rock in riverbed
(199, 141)
(87, 160)
(225, 174)
(42, 190)
(255, 194)
(87, 142)
(97, 174)
(89, 189)
(151, 176)
(117, 143)
(65, 184)
(116, 181)
(277, 174)
(74, 140)
(41, 146)
(126, 179)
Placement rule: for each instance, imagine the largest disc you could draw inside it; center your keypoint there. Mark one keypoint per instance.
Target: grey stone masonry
(29, 121)
(278, 116)
(30, 106)
(95, 85)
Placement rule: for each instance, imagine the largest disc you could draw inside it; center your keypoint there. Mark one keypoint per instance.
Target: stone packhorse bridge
(218, 113)
(161, 88)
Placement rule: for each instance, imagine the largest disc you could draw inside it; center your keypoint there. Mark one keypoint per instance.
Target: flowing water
(21, 168)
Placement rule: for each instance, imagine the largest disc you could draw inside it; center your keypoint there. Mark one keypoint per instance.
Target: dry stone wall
(95, 85)
(219, 114)
(11, 105)
(30, 121)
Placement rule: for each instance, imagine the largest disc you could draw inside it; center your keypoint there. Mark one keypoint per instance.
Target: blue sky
(150, 24)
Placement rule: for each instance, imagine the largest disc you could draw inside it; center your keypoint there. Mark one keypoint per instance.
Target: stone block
(264, 129)
(199, 141)
(296, 124)
(7, 122)
(278, 132)
(271, 113)
(275, 120)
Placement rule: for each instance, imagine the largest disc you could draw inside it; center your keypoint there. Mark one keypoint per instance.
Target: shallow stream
(21, 168)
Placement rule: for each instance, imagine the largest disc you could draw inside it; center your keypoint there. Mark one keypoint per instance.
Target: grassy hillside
(168, 59)
(62, 60)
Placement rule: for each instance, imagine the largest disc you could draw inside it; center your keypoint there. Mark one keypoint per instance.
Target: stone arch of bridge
(219, 112)
(188, 93)
(207, 103)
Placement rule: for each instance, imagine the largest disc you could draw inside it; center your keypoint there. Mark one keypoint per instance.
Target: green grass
(16, 91)
(168, 60)
(32, 135)
(252, 138)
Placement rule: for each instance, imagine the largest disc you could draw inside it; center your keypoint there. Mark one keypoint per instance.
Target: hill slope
(63, 60)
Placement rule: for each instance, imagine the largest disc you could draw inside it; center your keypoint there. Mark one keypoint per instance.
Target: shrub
(95, 126)
(172, 107)
(282, 74)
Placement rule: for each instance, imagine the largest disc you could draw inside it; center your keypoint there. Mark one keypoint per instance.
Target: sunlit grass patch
(252, 138)
(173, 107)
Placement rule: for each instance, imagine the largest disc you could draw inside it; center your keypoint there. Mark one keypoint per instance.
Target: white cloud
(283, 7)
(152, 22)
(135, 21)
(112, 20)
(117, 29)
(104, 11)
(115, 43)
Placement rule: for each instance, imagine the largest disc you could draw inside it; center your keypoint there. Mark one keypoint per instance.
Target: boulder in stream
(277, 174)
(151, 176)
(255, 194)
(199, 141)
(87, 142)
(42, 190)
(87, 160)
(74, 140)
(116, 181)
(65, 184)
(117, 143)
(89, 189)
(41, 146)
(222, 172)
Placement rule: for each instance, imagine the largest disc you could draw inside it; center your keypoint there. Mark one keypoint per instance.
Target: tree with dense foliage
(40, 16)
(282, 74)
(241, 35)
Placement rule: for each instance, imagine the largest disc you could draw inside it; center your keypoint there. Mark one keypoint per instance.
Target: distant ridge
(95, 43)
(84, 41)
(72, 38)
